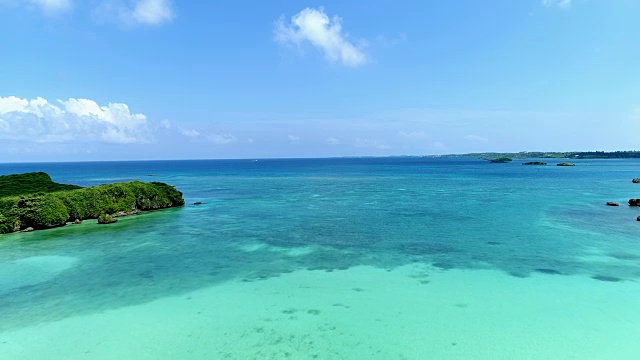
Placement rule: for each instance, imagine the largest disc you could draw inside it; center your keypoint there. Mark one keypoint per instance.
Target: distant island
(501, 160)
(34, 201)
(551, 155)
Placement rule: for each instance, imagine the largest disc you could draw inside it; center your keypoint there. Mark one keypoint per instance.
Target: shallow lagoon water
(349, 258)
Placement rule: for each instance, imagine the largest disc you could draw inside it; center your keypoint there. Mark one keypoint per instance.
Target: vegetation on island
(501, 160)
(30, 183)
(45, 204)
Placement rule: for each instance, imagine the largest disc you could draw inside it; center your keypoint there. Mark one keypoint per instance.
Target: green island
(34, 201)
(550, 155)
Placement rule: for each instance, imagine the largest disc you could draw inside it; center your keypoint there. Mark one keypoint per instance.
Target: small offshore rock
(28, 229)
(611, 203)
(636, 181)
(151, 175)
(535, 163)
(638, 218)
(197, 203)
(566, 164)
(106, 219)
(634, 202)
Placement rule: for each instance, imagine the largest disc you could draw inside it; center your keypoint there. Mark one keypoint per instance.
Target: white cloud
(332, 141)
(222, 139)
(477, 138)
(563, 4)
(294, 139)
(190, 132)
(136, 12)
(315, 27)
(77, 120)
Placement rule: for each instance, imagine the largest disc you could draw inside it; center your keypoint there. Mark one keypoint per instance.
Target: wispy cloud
(563, 4)
(411, 134)
(222, 139)
(190, 132)
(72, 120)
(47, 7)
(294, 139)
(138, 12)
(315, 27)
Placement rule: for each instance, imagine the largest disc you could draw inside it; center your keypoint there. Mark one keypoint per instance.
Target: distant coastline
(549, 155)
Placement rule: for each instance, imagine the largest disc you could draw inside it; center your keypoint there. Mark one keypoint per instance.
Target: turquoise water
(269, 219)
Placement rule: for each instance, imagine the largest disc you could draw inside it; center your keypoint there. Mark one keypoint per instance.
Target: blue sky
(159, 79)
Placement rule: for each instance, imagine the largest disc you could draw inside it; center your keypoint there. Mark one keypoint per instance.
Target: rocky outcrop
(636, 181)
(197, 203)
(127, 213)
(611, 203)
(634, 202)
(566, 164)
(106, 219)
(535, 163)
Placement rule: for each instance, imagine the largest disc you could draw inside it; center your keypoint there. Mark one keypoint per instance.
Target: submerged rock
(611, 203)
(634, 202)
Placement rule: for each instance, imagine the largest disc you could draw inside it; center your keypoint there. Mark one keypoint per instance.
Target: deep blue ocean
(262, 219)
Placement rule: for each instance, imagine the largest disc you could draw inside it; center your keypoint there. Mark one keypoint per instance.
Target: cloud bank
(72, 120)
(315, 27)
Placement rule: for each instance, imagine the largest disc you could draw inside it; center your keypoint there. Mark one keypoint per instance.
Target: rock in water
(636, 181)
(611, 203)
(566, 164)
(634, 202)
(638, 218)
(197, 203)
(106, 219)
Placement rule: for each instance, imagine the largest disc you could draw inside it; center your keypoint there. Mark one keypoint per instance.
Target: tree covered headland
(33, 200)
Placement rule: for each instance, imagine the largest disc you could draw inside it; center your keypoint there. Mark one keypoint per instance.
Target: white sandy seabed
(413, 312)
